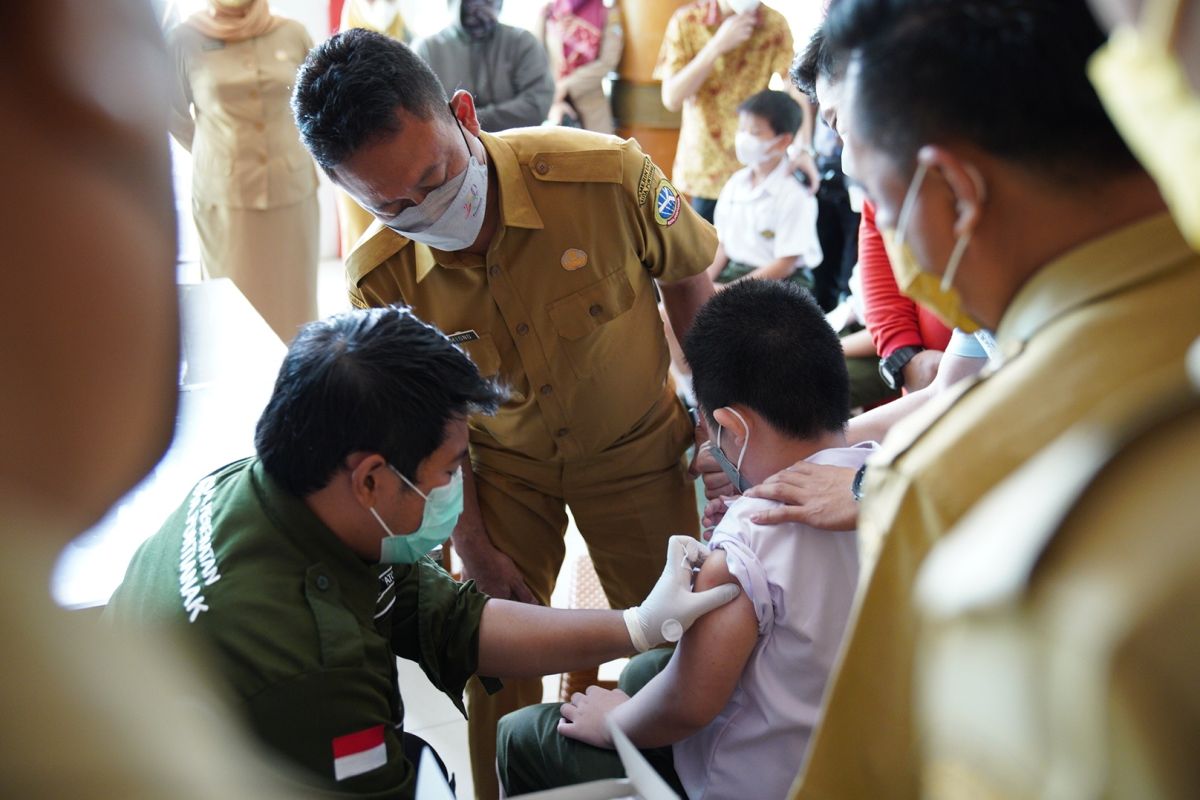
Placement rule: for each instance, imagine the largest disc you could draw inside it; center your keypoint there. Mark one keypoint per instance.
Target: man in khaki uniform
(1095, 300)
(1058, 651)
(545, 246)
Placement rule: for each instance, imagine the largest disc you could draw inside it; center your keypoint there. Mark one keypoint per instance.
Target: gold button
(562, 432)
(258, 126)
(596, 309)
(253, 93)
(547, 389)
(522, 329)
(262, 159)
(541, 168)
(493, 270)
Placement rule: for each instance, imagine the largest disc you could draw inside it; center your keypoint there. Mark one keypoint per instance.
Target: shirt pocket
(583, 321)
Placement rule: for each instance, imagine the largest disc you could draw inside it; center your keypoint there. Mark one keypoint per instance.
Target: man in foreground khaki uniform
(543, 250)
(1058, 654)
(1016, 210)
(90, 357)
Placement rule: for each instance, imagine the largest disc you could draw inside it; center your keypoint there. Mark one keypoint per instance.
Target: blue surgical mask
(732, 471)
(443, 505)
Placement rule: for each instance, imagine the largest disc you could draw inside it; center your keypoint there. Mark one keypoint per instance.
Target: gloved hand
(672, 606)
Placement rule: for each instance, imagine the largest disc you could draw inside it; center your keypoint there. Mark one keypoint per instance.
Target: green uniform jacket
(304, 632)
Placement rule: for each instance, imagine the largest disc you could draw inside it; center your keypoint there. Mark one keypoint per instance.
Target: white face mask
(743, 6)
(451, 216)
(750, 149)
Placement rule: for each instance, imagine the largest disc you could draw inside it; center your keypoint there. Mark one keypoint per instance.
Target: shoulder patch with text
(646, 180)
(462, 337)
(666, 203)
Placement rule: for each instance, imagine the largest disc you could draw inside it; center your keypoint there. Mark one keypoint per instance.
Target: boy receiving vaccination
(765, 217)
(731, 713)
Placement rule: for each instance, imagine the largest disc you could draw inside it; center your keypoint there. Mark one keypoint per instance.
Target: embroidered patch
(462, 337)
(646, 180)
(768, 235)
(358, 753)
(574, 259)
(666, 203)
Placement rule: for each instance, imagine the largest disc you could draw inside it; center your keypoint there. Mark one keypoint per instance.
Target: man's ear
(365, 471)
(463, 106)
(734, 424)
(965, 181)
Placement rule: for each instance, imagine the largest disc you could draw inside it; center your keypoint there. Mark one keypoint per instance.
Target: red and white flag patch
(358, 753)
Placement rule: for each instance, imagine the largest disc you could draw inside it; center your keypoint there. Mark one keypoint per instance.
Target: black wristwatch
(856, 485)
(891, 369)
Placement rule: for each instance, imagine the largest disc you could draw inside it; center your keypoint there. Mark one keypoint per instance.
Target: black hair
(376, 380)
(350, 87)
(815, 62)
(779, 110)
(766, 345)
(1008, 76)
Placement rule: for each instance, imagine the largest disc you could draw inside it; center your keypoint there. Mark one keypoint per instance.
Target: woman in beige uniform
(254, 188)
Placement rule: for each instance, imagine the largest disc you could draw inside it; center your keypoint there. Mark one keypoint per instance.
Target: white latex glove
(672, 606)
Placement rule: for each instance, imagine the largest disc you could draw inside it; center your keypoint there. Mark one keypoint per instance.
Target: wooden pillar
(636, 95)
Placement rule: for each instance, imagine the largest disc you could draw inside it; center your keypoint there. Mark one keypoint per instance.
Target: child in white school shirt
(765, 217)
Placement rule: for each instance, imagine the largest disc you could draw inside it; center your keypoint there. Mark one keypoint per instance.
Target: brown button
(546, 389)
(522, 329)
(258, 126)
(262, 159)
(493, 270)
(596, 309)
(253, 93)
(562, 432)
(541, 168)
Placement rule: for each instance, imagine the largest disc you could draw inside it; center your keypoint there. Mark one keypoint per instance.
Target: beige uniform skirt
(271, 256)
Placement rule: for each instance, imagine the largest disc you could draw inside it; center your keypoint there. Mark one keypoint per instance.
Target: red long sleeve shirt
(893, 319)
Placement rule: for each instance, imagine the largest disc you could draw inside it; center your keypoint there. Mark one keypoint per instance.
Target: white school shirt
(801, 581)
(777, 218)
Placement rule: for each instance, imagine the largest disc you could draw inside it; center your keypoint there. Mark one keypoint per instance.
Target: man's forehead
(395, 157)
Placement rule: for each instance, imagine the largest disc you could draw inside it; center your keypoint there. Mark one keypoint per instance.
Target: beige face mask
(1146, 92)
(938, 295)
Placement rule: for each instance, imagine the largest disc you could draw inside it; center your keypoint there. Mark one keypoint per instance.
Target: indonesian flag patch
(358, 753)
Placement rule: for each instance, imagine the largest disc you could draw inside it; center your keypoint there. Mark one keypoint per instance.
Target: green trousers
(531, 755)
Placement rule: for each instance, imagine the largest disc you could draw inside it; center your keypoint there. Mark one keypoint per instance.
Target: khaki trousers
(626, 501)
(271, 256)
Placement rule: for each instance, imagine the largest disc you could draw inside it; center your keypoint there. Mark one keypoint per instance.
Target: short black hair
(350, 87)
(766, 345)
(1008, 76)
(375, 380)
(779, 110)
(815, 62)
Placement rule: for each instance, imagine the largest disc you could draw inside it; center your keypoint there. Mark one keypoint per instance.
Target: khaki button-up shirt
(562, 309)
(1057, 653)
(1086, 324)
(230, 108)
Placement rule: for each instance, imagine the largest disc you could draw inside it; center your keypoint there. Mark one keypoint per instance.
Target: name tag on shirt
(462, 337)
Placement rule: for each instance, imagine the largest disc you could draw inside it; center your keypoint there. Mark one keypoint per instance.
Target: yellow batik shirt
(705, 158)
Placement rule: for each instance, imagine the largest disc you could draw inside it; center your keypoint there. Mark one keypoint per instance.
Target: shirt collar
(1105, 266)
(769, 185)
(516, 206)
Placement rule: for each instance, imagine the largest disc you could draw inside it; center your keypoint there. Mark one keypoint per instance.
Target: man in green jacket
(304, 568)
